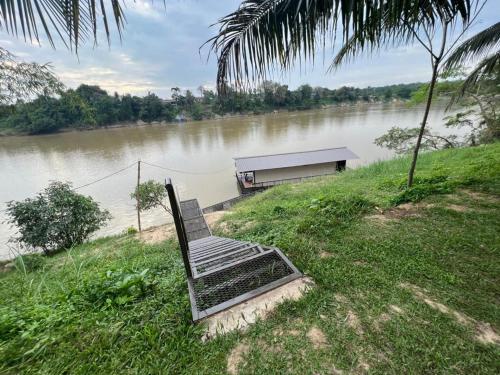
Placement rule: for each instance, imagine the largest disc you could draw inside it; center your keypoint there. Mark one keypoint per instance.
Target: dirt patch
(317, 338)
(290, 332)
(484, 332)
(379, 322)
(236, 357)
(361, 263)
(222, 227)
(378, 217)
(456, 208)
(396, 309)
(248, 225)
(399, 212)
(352, 321)
(336, 371)
(213, 217)
(481, 196)
(157, 234)
(363, 367)
(325, 254)
(341, 298)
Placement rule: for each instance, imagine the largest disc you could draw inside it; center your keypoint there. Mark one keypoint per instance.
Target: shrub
(56, 218)
(329, 214)
(119, 287)
(29, 262)
(423, 187)
(130, 231)
(151, 194)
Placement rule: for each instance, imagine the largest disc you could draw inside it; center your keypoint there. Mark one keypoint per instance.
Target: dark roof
(293, 159)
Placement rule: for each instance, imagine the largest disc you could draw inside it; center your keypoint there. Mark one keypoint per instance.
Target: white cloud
(147, 9)
(160, 46)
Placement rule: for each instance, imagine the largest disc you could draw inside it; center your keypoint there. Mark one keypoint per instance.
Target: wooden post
(137, 195)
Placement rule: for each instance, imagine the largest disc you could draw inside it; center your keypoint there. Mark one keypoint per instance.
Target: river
(202, 150)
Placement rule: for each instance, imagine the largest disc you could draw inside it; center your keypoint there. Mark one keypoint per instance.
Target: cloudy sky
(160, 50)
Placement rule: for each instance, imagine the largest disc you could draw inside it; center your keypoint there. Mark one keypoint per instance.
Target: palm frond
(263, 35)
(475, 48)
(482, 71)
(389, 34)
(74, 21)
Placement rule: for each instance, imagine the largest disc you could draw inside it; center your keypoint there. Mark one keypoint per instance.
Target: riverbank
(141, 124)
(406, 280)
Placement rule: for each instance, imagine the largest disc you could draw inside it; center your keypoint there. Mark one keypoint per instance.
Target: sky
(160, 49)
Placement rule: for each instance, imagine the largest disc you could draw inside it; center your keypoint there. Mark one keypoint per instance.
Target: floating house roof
(293, 159)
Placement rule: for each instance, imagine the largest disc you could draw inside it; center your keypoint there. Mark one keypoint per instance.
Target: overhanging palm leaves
(73, 20)
(484, 45)
(266, 34)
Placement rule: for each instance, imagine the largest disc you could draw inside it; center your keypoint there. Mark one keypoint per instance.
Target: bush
(329, 214)
(423, 187)
(151, 194)
(119, 287)
(57, 218)
(29, 262)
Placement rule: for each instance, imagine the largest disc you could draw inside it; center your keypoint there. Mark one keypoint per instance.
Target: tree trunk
(411, 172)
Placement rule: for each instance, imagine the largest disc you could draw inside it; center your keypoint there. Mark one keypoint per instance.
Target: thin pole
(137, 195)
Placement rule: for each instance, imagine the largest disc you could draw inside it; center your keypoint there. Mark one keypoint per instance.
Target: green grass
(95, 309)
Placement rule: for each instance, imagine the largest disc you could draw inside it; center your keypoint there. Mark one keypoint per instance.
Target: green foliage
(481, 108)
(90, 106)
(151, 108)
(20, 80)
(151, 194)
(118, 287)
(445, 88)
(56, 218)
(402, 140)
(130, 231)
(422, 188)
(29, 262)
(332, 214)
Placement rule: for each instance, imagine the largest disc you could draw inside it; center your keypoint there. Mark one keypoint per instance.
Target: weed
(118, 287)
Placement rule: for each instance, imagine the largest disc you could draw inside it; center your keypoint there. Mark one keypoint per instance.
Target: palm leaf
(484, 45)
(74, 21)
(482, 71)
(264, 35)
(475, 48)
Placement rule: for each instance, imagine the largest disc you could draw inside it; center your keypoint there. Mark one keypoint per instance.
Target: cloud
(146, 9)
(160, 50)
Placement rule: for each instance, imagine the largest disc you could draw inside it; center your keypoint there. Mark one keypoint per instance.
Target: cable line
(105, 177)
(181, 171)
(151, 165)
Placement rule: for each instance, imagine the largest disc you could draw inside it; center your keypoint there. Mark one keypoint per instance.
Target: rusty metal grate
(224, 288)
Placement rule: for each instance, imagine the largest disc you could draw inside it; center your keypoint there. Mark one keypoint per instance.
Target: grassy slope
(67, 316)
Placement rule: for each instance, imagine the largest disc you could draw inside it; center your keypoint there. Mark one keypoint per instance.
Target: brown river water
(199, 155)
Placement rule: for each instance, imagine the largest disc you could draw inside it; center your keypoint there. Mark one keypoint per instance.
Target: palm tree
(264, 35)
(74, 21)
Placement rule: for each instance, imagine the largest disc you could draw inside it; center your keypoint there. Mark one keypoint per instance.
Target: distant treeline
(92, 107)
